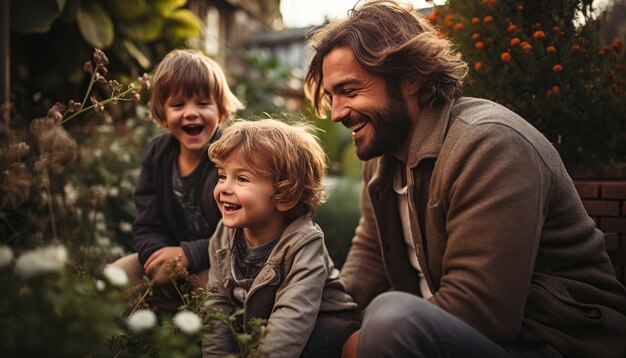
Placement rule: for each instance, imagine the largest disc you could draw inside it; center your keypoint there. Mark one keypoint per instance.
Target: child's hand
(156, 267)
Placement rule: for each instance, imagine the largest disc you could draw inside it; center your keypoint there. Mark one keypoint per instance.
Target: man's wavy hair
(394, 42)
(288, 154)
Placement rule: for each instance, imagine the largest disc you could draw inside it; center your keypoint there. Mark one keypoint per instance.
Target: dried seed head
(41, 125)
(114, 85)
(74, 106)
(144, 81)
(57, 149)
(15, 184)
(102, 70)
(17, 151)
(56, 112)
(100, 79)
(99, 57)
(88, 67)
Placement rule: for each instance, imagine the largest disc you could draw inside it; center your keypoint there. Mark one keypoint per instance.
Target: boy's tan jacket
(298, 280)
(500, 232)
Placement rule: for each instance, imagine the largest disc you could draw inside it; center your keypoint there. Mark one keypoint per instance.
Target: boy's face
(193, 121)
(245, 200)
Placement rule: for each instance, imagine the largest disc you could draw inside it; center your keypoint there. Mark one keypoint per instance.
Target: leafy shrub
(339, 216)
(546, 61)
(66, 206)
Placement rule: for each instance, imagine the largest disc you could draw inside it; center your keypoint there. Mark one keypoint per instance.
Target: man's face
(360, 100)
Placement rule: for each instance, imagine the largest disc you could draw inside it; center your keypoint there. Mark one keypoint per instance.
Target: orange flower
(551, 49)
(526, 47)
(576, 48)
(515, 41)
(511, 28)
(448, 20)
(475, 36)
(488, 19)
(556, 29)
(601, 53)
(478, 65)
(554, 90)
(458, 26)
(538, 35)
(505, 56)
(557, 68)
(479, 45)
(475, 21)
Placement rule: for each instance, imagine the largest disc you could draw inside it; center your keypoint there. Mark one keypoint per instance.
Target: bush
(339, 216)
(545, 60)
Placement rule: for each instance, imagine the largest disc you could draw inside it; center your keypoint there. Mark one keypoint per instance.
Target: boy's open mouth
(193, 129)
(231, 207)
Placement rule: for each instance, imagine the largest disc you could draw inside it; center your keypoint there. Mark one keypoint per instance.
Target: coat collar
(429, 132)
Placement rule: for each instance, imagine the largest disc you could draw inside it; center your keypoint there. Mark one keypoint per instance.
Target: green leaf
(184, 24)
(95, 25)
(34, 16)
(127, 10)
(166, 7)
(140, 52)
(148, 30)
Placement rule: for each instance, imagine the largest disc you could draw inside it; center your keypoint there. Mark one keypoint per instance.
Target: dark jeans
(398, 324)
(331, 331)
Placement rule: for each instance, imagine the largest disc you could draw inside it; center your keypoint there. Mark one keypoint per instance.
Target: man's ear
(286, 206)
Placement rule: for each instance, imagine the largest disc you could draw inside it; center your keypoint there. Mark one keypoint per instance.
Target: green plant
(47, 308)
(50, 309)
(339, 216)
(546, 61)
(44, 199)
(135, 34)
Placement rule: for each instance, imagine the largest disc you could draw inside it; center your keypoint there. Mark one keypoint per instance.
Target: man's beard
(391, 129)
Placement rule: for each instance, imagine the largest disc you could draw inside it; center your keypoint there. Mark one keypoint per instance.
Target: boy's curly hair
(289, 154)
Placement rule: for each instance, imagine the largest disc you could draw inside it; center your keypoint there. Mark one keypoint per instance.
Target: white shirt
(403, 207)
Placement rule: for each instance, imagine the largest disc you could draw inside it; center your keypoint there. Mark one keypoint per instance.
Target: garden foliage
(546, 61)
(65, 211)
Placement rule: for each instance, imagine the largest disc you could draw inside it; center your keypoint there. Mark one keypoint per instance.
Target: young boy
(191, 98)
(267, 255)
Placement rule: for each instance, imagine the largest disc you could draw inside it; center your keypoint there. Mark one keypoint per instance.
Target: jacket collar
(428, 133)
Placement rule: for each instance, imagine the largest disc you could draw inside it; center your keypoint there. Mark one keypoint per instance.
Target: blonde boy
(267, 256)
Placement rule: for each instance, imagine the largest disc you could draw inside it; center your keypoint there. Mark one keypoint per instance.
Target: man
(472, 241)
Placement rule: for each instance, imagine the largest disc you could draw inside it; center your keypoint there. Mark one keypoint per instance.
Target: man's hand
(156, 266)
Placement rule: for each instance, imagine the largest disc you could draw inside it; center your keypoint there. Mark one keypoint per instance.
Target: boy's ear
(286, 206)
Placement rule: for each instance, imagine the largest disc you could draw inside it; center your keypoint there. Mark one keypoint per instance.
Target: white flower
(188, 322)
(115, 275)
(117, 251)
(126, 227)
(101, 226)
(71, 194)
(114, 192)
(141, 320)
(41, 260)
(6, 255)
(100, 285)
